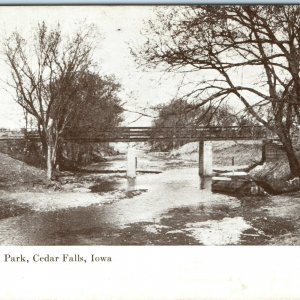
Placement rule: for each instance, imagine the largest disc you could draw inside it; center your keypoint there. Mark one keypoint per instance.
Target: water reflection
(131, 184)
(205, 182)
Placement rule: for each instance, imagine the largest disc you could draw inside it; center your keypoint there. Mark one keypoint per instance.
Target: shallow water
(165, 208)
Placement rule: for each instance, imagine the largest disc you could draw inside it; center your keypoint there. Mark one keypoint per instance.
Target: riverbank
(275, 177)
(25, 188)
(272, 176)
(244, 153)
(17, 175)
(167, 208)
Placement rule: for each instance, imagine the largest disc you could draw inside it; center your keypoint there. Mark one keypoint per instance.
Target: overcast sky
(118, 26)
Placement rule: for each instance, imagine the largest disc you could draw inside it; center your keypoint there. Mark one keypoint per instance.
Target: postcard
(150, 151)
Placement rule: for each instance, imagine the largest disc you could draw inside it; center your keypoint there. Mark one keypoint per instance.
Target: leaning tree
(48, 74)
(249, 55)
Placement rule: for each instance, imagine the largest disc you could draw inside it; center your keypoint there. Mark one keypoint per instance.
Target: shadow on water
(8, 210)
(104, 186)
(51, 228)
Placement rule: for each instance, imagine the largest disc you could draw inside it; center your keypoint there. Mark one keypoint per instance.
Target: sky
(118, 27)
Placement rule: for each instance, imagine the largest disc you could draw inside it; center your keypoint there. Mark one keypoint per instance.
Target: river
(166, 208)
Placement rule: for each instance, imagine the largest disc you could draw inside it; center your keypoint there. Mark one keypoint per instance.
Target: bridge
(144, 134)
(184, 133)
(202, 134)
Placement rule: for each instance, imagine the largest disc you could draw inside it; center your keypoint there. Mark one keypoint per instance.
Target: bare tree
(223, 43)
(47, 73)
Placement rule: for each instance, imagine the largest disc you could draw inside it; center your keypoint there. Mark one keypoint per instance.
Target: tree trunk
(291, 155)
(50, 151)
(49, 162)
(59, 157)
(293, 162)
(43, 137)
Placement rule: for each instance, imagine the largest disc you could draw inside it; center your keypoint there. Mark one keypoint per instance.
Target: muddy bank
(154, 209)
(259, 221)
(17, 175)
(12, 209)
(71, 190)
(275, 177)
(168, 208)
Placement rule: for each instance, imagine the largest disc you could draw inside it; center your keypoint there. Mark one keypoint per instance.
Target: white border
(153, 272)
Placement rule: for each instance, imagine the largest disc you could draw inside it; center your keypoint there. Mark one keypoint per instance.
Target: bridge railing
(157, 133)
(170, 133)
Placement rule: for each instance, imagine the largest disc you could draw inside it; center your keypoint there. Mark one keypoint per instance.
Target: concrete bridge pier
(131, 162)
(205, 158)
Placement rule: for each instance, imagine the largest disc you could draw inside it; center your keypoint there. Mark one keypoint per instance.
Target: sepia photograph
(149, 151)
(150, 125)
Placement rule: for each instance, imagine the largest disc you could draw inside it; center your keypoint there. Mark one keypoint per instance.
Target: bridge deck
(142, 134)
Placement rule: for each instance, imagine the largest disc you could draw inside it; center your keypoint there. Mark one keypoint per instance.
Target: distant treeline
(180, 113)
